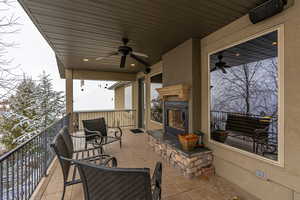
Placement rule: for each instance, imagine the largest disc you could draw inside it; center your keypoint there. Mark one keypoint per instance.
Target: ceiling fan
(124, 51)
(220, 65)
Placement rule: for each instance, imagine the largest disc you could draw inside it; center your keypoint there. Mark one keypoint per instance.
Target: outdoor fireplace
(176, 117)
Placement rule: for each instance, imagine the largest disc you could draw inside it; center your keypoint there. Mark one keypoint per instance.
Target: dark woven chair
(99, 127)
(65, 153)
(102, 183)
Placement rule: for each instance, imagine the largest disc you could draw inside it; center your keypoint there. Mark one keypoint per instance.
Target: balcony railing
(22, 168)
(121, 118)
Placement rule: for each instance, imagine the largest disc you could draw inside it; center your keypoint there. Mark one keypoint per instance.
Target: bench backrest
(246, 124)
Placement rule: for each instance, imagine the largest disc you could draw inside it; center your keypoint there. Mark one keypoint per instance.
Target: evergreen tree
(51, 103)
(33, 108)
(21, 119)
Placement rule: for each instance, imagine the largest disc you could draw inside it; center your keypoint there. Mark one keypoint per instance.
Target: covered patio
(137, 153)
(178, 45)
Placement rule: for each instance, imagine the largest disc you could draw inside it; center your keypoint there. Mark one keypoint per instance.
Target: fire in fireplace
(176, 117)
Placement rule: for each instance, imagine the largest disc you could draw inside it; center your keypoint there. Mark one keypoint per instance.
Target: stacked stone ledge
(197, 165)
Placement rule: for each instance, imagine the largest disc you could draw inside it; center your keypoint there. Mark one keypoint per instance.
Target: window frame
(129, 85)
(151, 120)
(280, 40)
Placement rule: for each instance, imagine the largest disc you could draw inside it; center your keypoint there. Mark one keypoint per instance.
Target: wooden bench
(255, 128)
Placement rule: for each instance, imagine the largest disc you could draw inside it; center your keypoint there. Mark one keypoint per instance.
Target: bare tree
(250, 88)
(8, 25)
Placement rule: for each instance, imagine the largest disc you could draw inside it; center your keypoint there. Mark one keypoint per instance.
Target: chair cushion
(95, 125)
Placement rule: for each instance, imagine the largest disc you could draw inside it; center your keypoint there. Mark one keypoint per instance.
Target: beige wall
(297, 196)
(119, 97)
(99, 75)
(282, 182)
(177, 64)
(182, 65)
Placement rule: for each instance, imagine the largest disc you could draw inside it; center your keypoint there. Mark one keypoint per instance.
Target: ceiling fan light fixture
(85, 60)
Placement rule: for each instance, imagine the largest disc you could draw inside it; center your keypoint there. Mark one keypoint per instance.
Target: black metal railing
(121, 118)
(219, 118)
(22, 168)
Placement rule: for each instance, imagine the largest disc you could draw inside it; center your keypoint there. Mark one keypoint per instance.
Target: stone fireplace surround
(165, 141)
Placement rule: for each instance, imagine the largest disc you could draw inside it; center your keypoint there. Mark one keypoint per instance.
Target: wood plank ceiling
(254, 50)
(78, 29)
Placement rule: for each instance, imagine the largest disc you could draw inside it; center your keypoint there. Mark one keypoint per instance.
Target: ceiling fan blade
(139, 60)
(140, 54)
(213, 69)
(123, 60)
(223, 70)
(108, 55)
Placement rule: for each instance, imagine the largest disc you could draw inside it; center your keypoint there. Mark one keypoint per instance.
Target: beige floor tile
(135, 152)
(181, 196)
(77, 192)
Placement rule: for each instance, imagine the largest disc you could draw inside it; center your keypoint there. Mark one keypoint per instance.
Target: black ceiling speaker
(266, 10)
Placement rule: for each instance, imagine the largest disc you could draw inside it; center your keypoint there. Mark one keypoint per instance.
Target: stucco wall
(182, 65)
(282, 182)
(119, 97)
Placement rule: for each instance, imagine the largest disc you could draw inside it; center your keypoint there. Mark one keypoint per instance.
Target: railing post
(45, 154)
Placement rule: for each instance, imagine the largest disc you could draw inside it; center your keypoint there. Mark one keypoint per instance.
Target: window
(244, 96)
(155, 101)
(128, 97)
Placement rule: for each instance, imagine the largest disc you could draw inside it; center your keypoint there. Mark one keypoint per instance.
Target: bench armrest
(261, 131)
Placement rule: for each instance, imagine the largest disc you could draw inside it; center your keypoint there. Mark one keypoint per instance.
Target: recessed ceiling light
(274, 43)
(132, 64)
(237, 54)
(85, 59)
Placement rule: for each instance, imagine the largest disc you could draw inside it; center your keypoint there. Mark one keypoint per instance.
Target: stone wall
(190, 166)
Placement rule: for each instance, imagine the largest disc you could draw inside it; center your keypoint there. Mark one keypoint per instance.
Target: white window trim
(280, 161)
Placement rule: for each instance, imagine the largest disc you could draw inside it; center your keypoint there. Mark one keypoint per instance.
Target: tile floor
(137, 153)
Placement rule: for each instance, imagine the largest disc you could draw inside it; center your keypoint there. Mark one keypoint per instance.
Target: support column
(69, 98)
(135, 102)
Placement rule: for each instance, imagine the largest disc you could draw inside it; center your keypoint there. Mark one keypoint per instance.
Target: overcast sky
(33, 55)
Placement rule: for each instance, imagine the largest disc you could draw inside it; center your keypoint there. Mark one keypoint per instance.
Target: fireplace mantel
(180, 91)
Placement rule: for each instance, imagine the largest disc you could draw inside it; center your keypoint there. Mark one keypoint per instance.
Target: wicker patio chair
(102, 183)
(98, 126)
(65, 153)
